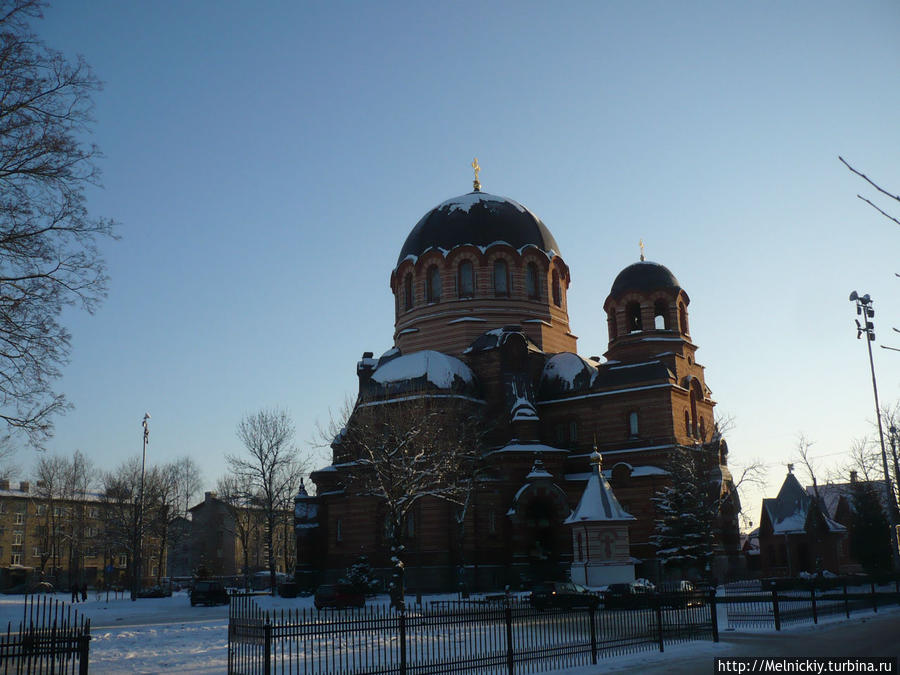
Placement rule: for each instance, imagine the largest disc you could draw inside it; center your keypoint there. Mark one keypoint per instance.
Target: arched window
(433, 284)
(466, 281)
(633, 316)
(408, 292)
(633, 424)
(687, 423)
(661, 315)
(682, 318)
(501, 278)
(693, 413)
(531, 281)
(557, 295)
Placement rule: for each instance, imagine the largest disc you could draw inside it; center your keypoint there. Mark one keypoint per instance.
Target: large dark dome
(643, 276)
(480, 219)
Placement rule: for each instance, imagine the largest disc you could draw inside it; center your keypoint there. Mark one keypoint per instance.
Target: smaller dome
(644, 276)
(566, 373)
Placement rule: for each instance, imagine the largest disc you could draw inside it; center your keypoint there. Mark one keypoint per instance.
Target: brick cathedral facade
(480, 291)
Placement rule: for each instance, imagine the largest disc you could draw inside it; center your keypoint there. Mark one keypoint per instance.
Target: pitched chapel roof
(598, 503)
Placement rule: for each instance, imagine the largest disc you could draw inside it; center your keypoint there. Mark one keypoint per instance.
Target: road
(873, 635)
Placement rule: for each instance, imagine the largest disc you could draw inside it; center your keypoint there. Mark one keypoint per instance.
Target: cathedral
(480, 289)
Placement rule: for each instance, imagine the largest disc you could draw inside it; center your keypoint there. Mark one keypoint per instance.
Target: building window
(687, 423)
(633, 424)
(580, 549)
(531, 281)
(557, 294)
(41, 509)
(501, 278)
(20, 518)
(16, 558)
(408, 292)
(661, 315)
(633, 316)
(693, 413)
(433, 284)
(123, 560)
(466, 281)
(17, 538)
(35, 552)
(339, 535)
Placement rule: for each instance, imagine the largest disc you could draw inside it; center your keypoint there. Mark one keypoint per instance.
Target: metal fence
(505, 638)
(50, 638)
(753, 604)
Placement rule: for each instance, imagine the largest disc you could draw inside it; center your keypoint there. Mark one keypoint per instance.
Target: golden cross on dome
(476, 183)
(641, 244)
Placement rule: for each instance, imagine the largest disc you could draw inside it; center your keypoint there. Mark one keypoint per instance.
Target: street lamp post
(139, 554)
(893, 432)
(866, 311)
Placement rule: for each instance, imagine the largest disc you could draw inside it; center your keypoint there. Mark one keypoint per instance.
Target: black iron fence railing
(774, 603)
(504, 637)
(51, 638)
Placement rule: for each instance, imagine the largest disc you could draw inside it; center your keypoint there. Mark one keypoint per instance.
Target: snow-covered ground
(167, 635)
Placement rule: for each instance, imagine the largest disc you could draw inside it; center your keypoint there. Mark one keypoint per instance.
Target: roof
(420, 371)
(643, 276)
(478, 219)
(598, 503)
(789, 511)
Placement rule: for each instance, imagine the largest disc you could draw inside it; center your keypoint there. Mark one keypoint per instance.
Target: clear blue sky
(267, 160)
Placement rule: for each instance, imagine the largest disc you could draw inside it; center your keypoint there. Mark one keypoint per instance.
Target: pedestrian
(84, 592)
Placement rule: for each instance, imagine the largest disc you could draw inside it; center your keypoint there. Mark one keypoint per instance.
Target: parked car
(562, 594)
(338, 596)
(679, 594)
(628, 596)
(207, 592)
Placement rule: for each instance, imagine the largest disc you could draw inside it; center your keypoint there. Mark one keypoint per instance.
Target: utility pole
(864, 308)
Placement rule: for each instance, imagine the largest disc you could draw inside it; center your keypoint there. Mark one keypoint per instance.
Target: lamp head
(854, 296)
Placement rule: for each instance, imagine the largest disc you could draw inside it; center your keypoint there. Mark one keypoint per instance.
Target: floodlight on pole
(864, 308)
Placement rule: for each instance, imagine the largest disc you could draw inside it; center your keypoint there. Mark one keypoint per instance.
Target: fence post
(714, 614)
(402, 638)
(593, 611)
(846, 601)
(659, 626)
(84, 650)
(775, 609)
(812, 597)
(874, 599)
(267, 649)
(510, 660)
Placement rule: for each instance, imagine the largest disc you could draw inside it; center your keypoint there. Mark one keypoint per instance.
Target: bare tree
(49, 256)
(409, 451)
(125, 530)
(171, 489)
(270, 467)
(245, 517)
(49, 494)
(880, 189)
(864, 459)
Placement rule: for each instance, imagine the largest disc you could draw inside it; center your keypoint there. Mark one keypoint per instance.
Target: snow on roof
(597, 503)
(633, 365)
(637, 472)
(513, 446)
(466, 319)
(467, 201)
(566, 372)
(439, 369)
